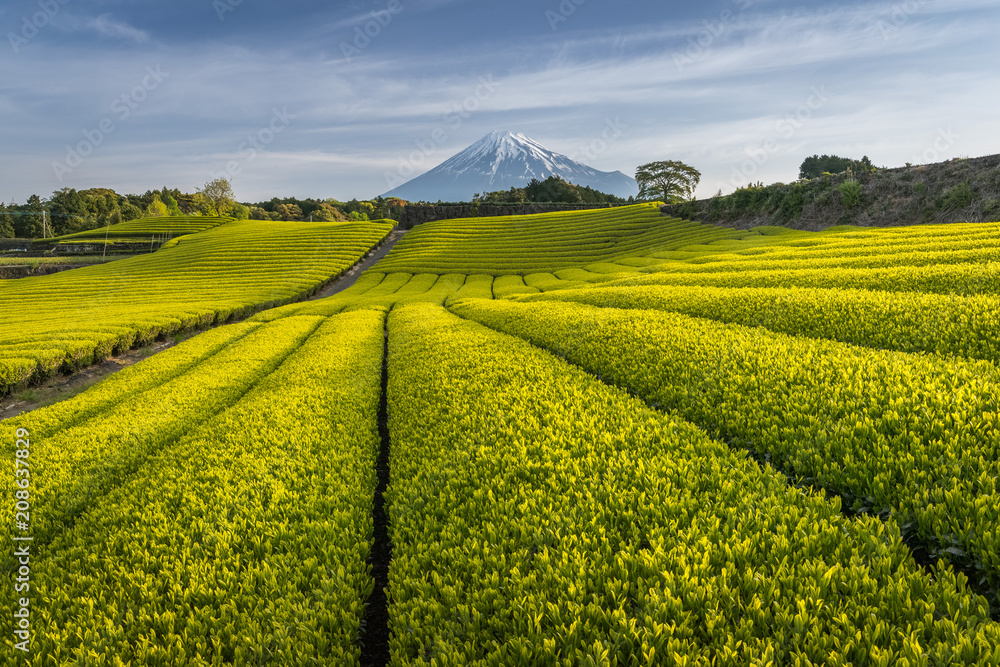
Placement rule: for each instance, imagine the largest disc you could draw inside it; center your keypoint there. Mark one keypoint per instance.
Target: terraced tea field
(68, 320)
(605, 438)
(143, 230)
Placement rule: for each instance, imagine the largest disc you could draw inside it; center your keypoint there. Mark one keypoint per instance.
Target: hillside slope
(960, 190)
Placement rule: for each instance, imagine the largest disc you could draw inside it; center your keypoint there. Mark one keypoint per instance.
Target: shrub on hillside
(958, 197)
(850, 194)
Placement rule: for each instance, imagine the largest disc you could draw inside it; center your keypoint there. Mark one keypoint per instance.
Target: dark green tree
(130, 211)
(171, 202)
(387, 209)
(69, 211)
(553, 190)
(28, 225)
(6, 223)
(670, 181)
(817, 165)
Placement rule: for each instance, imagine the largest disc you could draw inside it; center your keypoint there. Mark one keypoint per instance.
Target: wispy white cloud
(106, 26)
(344, 26)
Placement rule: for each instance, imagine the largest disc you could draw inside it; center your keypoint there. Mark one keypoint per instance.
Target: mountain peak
(501, 135)
(501, 160)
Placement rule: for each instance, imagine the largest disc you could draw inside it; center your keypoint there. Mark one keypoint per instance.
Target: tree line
(553, 190)
(326, 210)
(817, 165)
(69, 210)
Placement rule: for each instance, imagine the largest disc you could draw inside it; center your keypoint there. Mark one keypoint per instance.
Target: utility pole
(106, 231)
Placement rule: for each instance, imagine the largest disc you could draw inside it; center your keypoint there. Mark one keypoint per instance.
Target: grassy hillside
(961, 190)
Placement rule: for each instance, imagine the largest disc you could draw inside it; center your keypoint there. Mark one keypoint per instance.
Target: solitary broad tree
(670, 181)
(219, 193)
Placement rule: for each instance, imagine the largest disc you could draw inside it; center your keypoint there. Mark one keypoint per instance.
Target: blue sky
(338, 99)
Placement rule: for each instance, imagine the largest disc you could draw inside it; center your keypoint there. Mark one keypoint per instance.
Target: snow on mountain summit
(502, 160)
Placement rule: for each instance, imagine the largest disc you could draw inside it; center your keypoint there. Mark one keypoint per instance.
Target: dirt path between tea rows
(351, 276)
(63, 387)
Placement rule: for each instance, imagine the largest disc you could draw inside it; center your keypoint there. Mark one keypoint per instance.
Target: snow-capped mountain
(504, 160)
